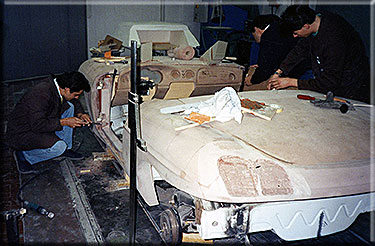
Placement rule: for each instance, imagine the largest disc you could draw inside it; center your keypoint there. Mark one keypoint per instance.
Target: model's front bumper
(289, 220)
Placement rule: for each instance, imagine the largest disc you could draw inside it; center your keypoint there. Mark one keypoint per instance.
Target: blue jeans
(66, 135)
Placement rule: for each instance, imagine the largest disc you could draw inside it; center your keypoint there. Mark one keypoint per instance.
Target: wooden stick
(187, 126)
(255, 113)
(180, 128)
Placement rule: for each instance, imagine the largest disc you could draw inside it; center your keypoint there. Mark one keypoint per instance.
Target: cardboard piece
(179, 90)
(215, 54)
(113, 42)
(146, 52)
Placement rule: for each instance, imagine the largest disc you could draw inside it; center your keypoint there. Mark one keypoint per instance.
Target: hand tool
(307, 97)
(92, 123)
(350, 105)
(329, 102)
(39, 209)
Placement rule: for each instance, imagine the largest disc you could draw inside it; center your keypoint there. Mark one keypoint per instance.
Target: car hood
(303, 152)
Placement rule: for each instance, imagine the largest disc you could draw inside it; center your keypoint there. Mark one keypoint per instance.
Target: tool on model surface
(307, 97)
(332, 102)
(329, 102)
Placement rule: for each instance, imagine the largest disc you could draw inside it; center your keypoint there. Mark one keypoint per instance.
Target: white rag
(224, 106)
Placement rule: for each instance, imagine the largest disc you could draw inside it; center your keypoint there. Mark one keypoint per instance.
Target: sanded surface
(318, 152)
(301, 134)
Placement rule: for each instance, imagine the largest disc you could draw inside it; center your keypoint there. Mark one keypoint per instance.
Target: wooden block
(179, 90)
(195, 238)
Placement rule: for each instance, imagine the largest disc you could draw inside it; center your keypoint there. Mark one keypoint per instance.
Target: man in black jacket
(41, 124)
(273, 48)
(338, 57)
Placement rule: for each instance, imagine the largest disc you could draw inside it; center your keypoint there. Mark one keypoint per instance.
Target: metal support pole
(11, 219)
(12, 228)
(133, 106)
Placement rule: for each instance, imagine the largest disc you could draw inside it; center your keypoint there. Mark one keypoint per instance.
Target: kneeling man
(41, 125)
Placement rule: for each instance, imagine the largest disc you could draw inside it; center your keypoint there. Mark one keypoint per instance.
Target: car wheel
(170, 226)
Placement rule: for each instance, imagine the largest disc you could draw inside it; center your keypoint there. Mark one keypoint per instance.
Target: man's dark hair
(262, 21)
(295, 16)
(75, 81)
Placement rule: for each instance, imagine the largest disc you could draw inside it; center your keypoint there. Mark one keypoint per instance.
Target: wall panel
(42, 39)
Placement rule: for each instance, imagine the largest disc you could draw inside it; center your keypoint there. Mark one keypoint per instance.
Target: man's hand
(280, 83)
(250, 73)
(248, 80)
(72, 122)
(85, 118)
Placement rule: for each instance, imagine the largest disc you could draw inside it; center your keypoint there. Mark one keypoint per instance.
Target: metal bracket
(135, 99)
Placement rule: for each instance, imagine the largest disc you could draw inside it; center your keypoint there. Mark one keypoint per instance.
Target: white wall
(103, 19)
(183, 14)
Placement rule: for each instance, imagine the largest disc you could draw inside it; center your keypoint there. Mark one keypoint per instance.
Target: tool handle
(340, 100)
(39, 209)
(305, 97)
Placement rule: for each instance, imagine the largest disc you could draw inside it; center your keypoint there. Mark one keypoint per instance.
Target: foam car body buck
(305, 173)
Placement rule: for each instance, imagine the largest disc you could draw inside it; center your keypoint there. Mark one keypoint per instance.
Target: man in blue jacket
(41, 124)
(338, 56)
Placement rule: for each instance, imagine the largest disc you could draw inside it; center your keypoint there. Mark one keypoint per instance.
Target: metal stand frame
(11, 219)
(135, 135)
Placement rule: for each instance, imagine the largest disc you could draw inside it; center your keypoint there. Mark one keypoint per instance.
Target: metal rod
(11, 219)
(152, 220)
(133, 141)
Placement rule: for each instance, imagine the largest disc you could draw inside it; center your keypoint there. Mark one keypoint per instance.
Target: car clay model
(303, 172)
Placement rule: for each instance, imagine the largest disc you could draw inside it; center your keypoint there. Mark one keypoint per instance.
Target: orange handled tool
(305, 97)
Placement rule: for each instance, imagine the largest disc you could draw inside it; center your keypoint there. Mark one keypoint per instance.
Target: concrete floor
(88, 209)
(96, 213)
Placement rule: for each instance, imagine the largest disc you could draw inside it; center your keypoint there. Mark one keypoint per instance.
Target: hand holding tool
(92, 123)
(95, 123)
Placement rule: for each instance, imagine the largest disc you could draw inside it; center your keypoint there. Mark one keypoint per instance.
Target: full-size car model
(305, 173)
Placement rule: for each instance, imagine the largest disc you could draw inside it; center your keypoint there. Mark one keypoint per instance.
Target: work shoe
(72, 155)
(23, 166)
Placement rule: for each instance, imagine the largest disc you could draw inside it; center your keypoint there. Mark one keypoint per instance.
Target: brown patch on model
(247, 103)
(236, 175)
(273, 178)
(241, 177)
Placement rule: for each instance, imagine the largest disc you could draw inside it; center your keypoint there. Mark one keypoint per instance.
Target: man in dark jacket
(273, 48)
(338, 57)
(41, 125)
